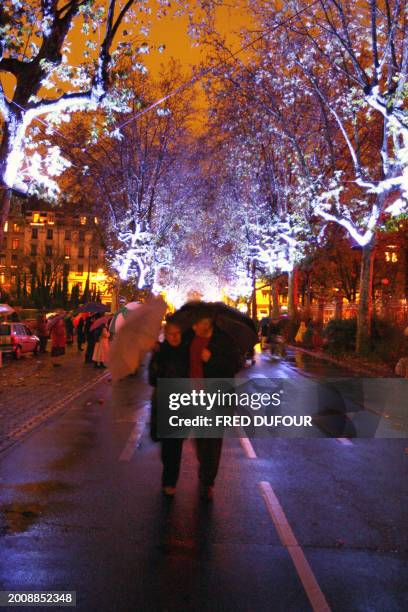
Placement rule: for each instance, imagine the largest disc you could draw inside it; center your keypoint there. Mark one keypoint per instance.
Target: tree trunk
(365, 306)
(292, 293)
(5, 201)
(254, 302)
(275, 300)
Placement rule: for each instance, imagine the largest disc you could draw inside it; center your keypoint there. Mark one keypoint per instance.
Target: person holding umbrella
(58, 337)
(100, 328)
(212, 354)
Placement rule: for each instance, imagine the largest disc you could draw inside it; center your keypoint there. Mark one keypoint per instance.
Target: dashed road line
(287, 537)
(345, 441)
(136, 434)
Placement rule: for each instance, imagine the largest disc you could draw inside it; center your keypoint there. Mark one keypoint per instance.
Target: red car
(17, 339)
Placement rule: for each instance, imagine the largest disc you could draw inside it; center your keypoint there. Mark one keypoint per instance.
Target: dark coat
(225, 360)
(168, 362)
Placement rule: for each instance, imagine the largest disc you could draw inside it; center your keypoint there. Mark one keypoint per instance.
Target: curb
(373, 372)
(17, 435)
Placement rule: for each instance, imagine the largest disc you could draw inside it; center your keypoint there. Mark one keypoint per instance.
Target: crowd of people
(61, 330)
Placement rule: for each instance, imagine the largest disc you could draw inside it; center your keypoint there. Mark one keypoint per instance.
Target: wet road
(296, 524)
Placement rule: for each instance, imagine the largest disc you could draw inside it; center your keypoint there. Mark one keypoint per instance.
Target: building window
(80, 268)
(36, 217)
(66, 269)
(67, 250)
(15, 244)
(16, 228)
(48, 250)
(14, 258)
(81, 251)
(34, 250)
(6, 227)
(50, 234)
(82, 220)
(34, 233)
(51, 219)
(13, 279)
(2, 278)
(67, 235)
(81, 236)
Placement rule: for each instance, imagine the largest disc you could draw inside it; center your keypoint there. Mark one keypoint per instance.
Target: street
(295, 524)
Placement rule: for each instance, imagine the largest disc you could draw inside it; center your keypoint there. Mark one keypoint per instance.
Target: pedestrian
(58, 340)
(264, 333)
(69, 329)
(80, 333)
(91, 338)
(169, 360)
(101, 350)
(42, 331)
(212, 354)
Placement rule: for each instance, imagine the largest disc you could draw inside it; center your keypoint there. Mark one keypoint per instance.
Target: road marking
(136, 433)
(248, 448)
(345, 441)
(288, 539)
(131, 444)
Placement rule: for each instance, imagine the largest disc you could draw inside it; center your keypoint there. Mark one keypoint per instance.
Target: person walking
(101, 350)
(80, 333)
(58, 340)
(42, 331)
(91, 338)
(170, 360)
(69, 329)
(212, 354)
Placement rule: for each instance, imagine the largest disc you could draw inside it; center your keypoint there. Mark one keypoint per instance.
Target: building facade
(47, 243)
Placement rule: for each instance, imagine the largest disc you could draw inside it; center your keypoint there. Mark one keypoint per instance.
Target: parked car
(17, 339)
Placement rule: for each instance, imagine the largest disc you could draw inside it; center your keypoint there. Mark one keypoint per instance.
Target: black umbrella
(93, 307)
(237, 325)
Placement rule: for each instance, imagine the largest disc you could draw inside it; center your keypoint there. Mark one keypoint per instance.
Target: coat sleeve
(225, 356)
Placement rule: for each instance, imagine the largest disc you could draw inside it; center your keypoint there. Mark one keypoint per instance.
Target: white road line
(131, 444)
(248, 448)
(345, 441)
(288, 539)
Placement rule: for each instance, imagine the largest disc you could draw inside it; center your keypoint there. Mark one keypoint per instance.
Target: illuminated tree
(34, 54)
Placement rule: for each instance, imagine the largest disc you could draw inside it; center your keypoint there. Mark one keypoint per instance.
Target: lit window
(36, 217)
(6, 226)
(391, 257)
(2, 278)
(67, 250)
(15, 244)
(96, 220)
(16, 227)
(82, 220)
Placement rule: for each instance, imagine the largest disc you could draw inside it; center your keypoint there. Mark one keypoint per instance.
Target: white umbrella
(119, 318)
(136, 337)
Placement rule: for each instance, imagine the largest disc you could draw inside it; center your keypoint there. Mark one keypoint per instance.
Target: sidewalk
(32, 386)
(357, 364)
